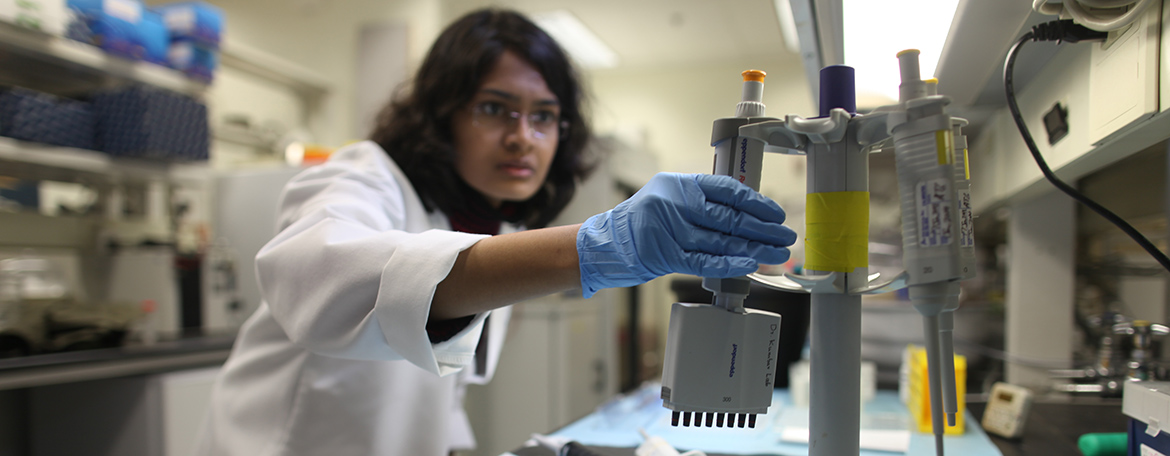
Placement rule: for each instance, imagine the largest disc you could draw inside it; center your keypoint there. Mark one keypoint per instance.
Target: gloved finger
(728, 191)
(725, 219)
(716, 243)
(716, 266)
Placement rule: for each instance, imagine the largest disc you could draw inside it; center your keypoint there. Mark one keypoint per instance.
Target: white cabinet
(557, 366)
(152, 415)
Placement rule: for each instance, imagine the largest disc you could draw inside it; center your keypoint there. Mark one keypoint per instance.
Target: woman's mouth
(516, 170)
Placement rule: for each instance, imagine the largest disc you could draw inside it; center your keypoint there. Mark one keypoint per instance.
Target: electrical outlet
(1056, 122)
(1123, 77)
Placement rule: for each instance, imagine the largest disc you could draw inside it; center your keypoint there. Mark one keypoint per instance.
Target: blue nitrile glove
(700, 224)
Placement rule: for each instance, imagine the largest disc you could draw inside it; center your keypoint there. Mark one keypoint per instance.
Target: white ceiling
(666, 32)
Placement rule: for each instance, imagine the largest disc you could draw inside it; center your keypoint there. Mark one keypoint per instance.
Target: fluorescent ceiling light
(787, 25)
(585, 47)
(875, 31)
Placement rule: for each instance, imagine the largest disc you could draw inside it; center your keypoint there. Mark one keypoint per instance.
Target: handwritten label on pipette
(967, 220)
(934, 213)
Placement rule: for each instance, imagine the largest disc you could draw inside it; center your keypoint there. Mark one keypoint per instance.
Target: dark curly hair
(415, 127)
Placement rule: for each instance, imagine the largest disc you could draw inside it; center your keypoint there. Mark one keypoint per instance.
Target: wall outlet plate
(1123, 77)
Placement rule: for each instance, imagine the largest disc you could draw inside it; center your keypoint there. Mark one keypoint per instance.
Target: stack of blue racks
(143, 122)
(133, 121)
(43, 118)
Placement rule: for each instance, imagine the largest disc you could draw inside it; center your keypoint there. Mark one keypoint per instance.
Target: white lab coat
(336, 360)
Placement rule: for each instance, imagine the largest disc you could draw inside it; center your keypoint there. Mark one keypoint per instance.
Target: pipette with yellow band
(925, 159)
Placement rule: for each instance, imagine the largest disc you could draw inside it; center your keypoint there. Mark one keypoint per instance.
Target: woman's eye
(492, 108)
(544, 117)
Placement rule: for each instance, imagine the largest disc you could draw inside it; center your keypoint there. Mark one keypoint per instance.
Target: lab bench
(130, 400)
(1053, 427)
(95, 364)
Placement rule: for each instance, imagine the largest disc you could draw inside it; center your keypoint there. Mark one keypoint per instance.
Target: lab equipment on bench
(561, 446)
(651, 446)
(1147, 404)
(1007, 410)
(936, 236)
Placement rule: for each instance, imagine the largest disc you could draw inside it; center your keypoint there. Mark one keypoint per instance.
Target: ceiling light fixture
(787, 25)
(581, 43)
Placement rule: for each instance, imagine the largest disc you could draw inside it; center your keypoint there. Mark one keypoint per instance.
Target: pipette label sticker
(1147, 451)
(934, 213)
(966, 220)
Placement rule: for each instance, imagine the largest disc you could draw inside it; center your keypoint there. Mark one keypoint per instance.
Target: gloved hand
(700, 224)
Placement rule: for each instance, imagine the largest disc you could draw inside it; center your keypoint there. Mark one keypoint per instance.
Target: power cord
(1066, 31)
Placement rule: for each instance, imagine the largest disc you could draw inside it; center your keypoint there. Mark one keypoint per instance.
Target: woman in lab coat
(386, 288)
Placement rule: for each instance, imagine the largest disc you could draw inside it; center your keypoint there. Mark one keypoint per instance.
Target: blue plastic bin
(156, 40)
(193, 58)
(113, 25)
(195, 21)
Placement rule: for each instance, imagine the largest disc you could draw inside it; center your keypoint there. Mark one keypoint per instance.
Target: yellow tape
(836, 231)
(944, 142)
(966, 164)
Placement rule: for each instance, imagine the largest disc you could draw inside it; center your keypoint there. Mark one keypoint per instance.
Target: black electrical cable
(1066, 31)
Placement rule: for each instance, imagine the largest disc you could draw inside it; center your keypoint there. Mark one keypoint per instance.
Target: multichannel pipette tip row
(713, 419)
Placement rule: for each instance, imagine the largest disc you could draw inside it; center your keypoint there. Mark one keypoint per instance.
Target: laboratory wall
(1001, 167)
(324, 37)
(670, 107)
(676, 106)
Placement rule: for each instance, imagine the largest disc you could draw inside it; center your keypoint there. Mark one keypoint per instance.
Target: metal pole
(835, 392)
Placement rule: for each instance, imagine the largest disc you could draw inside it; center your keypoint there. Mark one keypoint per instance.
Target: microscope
(720, 356)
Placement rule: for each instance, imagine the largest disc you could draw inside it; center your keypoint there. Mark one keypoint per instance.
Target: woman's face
(506, 137)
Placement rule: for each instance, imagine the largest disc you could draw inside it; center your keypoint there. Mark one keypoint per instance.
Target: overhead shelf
(304, 81)
(57, 65)
(33, 161)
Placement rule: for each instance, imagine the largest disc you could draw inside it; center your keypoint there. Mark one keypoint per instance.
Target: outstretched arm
(509, 268)
(705, 225)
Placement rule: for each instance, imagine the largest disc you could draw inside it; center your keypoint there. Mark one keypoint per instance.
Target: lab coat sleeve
(344, 278)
